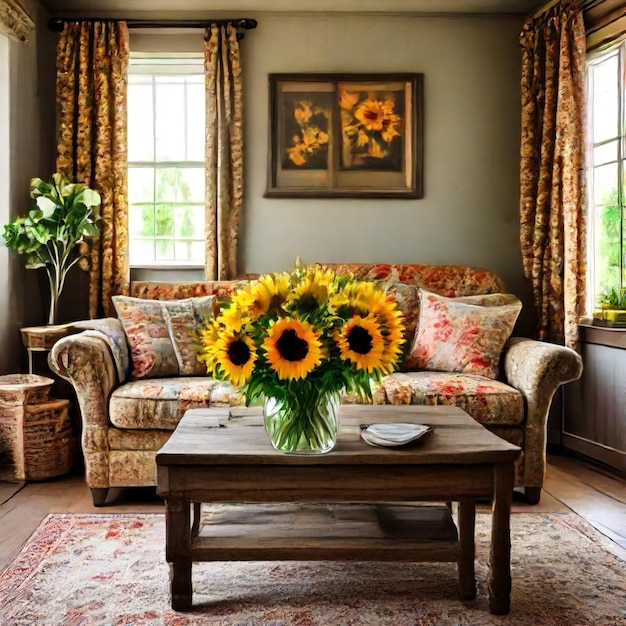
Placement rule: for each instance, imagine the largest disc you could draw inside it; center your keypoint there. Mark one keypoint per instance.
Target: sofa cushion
(185, 319)
(465, 334)
(161, 402)
(488, 401)
(153, 350)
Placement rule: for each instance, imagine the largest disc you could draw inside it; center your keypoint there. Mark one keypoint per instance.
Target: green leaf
(46, 205)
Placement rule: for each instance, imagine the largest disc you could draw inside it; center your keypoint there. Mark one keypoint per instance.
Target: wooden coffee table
(460, 461)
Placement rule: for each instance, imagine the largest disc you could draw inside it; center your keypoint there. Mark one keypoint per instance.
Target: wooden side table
(41, 339)
(37, 437)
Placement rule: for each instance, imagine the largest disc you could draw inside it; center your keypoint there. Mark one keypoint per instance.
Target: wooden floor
(572, 485)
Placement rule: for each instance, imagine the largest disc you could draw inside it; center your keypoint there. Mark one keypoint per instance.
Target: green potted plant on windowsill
(611, 309)
(63, 215)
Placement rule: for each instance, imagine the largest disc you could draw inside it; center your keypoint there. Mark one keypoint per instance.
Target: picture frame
(345, 135)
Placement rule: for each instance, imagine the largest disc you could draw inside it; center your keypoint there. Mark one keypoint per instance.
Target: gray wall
(469, 213)
(31, 141)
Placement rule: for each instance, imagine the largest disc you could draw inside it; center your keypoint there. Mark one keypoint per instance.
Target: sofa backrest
(448, 280)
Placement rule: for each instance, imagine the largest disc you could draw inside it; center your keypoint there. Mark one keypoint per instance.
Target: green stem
(304, 422)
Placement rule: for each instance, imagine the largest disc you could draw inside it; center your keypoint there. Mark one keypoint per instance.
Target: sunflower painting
(372, 129)
(306, 131)
(345, 135)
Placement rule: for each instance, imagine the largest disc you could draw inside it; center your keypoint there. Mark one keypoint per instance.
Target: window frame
(593, 59)
(165, 64)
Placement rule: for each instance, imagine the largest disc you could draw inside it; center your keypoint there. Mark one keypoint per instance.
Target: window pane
(141, 221)
(605, 99)
(189, 221)
(191, 251)
(164, 220)
(140, 123)
(605, 184)
(170, 122)
(141, 251)
(605, 153)
(140, 184)
(164, 250)
(196, 124)
(192, 180)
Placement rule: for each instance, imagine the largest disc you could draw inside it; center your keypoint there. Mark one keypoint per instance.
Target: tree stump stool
(37, 437)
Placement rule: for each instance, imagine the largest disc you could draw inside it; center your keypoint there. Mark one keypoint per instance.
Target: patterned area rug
(110, 569)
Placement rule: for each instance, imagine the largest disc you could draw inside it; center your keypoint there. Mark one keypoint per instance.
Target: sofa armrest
(86, 360)
(537, 369)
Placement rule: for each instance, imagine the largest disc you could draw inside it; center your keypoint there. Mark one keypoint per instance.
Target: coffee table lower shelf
(329, 532)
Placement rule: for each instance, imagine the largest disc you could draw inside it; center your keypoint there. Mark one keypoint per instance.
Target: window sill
(602, 335)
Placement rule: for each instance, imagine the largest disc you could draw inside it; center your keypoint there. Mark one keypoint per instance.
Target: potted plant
(63, 214)
(611, 309)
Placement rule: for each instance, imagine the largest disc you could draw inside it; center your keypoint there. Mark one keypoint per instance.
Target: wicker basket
(37, 437)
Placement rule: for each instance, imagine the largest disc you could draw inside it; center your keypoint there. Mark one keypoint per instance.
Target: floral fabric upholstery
(163, 336)
(447, 280)
(184, 320)
(153, 290)
(552, 167)
(152, 352)
(161, 402)
(125, 422)
(464, 334)
(488, 401)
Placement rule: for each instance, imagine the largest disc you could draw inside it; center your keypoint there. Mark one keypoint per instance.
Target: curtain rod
(546, 6)
(56, 23)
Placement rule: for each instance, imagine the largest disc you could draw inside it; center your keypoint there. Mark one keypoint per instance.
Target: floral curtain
(552, 168)
(224, 150)
(14, 21)
(92, 67)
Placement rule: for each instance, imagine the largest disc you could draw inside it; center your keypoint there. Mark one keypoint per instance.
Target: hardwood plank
(8, 490)
(604, 513)
(595, 476)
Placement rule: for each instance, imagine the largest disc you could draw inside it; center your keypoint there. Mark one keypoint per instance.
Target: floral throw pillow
(464, 334)
(151, 349)
(162, 334)
(185, 320)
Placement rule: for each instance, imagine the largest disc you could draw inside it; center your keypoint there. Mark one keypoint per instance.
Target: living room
(468, 214)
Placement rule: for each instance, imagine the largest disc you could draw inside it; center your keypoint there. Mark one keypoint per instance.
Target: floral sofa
(130, 405)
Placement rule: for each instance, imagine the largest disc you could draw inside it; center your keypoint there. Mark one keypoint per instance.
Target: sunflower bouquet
(297, 339)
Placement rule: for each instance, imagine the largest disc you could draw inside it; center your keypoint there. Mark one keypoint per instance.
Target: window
(606, 189)
(166, 162)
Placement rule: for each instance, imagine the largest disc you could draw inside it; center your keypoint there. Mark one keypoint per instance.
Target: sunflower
(391, 321)
(243, 299)
(270, 294)
(233, 318)
(360, 341)
(293, 348)
(314, 290)
(235, 355)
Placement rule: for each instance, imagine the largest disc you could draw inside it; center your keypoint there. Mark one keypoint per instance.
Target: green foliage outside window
(159, 221)
(610, 284)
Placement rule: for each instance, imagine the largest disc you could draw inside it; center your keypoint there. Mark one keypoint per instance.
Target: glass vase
(302, 425)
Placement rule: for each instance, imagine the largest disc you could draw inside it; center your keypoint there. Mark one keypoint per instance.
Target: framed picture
(345, 135)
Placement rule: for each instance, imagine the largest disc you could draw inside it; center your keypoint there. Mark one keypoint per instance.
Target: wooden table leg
(499, 582)
(178, 551)
(467, 519)
(195, 526)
